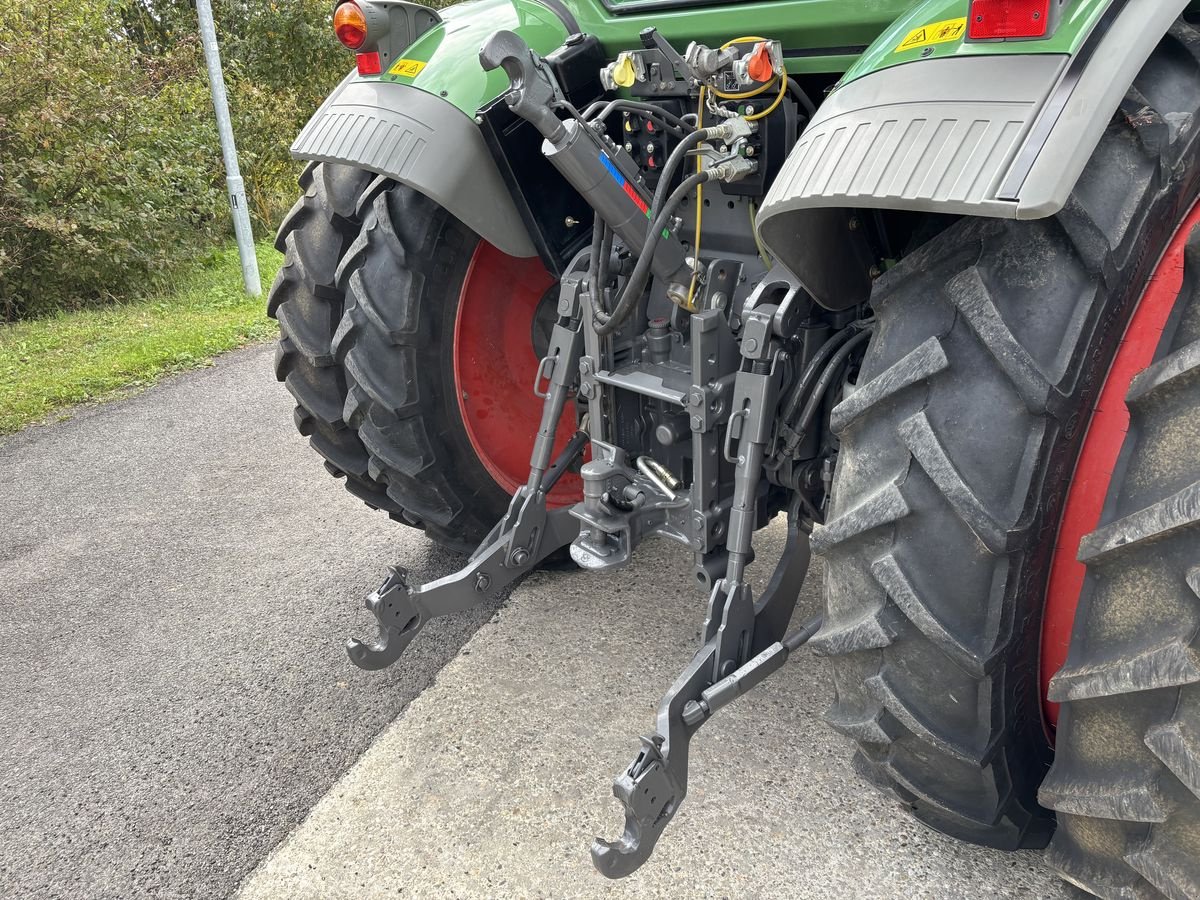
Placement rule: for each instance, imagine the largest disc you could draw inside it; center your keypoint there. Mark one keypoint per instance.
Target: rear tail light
(350, 25)
(1008, 19)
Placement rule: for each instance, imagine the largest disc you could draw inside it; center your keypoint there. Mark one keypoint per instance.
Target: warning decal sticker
(408, 68)
(934, 33)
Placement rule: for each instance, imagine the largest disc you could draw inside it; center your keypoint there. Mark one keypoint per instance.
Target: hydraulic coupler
(602, 173)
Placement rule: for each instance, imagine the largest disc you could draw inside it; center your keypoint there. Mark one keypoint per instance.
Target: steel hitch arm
(744, 639)
(529, 531)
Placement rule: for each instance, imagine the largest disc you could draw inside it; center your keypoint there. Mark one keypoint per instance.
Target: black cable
(594, 257)
(602, 271)
(667, 173)
(664, 116)
(796, 395)
(607, 324)
(814, 401)
(796, 91)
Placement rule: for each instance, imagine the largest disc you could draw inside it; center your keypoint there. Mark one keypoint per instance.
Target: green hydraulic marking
(1078, 17)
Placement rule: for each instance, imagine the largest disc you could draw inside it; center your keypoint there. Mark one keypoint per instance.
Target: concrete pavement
(493, 782)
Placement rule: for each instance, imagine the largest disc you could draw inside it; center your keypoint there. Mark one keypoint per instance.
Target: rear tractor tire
(958, 447)
(410, 346)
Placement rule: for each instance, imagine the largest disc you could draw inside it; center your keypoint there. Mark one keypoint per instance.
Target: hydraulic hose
(667, 172)
(814, 401)
(815, 365)
(602, 271)
(607, 324)
(599, 229)
(801, 97)
(665, 116)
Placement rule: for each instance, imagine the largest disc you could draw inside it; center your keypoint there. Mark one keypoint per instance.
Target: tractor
(919, 279)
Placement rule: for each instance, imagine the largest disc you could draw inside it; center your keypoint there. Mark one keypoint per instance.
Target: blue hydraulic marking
(612, 169)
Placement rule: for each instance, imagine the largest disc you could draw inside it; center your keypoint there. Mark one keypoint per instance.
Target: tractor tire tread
(990, 340)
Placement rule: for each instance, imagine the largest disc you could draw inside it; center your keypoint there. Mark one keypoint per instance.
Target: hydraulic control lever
(527, 534)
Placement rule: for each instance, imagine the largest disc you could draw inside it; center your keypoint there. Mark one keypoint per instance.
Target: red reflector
(369, 64)
(1008, 19)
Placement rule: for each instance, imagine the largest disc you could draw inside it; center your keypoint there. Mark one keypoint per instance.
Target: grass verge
(74, 357)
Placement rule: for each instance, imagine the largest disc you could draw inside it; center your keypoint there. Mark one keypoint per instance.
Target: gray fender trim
(424, 142)
(1000, 136)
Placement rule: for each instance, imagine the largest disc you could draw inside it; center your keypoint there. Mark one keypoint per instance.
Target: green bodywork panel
(818, 36)
(1078, 17)
(824, 36)
(450, 51)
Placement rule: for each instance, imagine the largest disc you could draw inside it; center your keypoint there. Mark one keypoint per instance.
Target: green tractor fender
(415, 121)
(928, 120)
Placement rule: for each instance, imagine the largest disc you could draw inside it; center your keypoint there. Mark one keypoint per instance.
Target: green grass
(49, 364)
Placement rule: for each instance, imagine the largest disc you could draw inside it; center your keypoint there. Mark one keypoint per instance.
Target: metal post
(233, 175)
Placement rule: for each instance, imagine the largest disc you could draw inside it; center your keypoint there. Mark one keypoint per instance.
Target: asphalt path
(177, 576)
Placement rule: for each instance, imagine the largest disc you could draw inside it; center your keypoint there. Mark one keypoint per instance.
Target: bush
(110, 169)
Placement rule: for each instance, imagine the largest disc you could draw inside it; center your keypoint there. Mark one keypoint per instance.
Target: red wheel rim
(494, 367)
(1098, 455)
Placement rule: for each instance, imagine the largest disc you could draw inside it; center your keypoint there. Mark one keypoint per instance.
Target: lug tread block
(882, 508)
(1181, 366)
(1174, 872)
(875, 727)
(1171, 664)
(1178, 746)
(1085, 862)
(318, 394)
(929, 732)
(1159, 520)
(974, 300)
(401, 446)
(393, 319)
(976, 660)
(393, 396)
(302, 315)
(913, 368)
(865, 633)
(927, 450)
(1138, 801)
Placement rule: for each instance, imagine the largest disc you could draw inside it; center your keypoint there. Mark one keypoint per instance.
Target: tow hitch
(713, 388)
(656, 782)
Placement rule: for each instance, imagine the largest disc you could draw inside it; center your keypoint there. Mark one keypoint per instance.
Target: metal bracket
(654, 785)
(743, 640)
(527, 534)
(517, 546)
